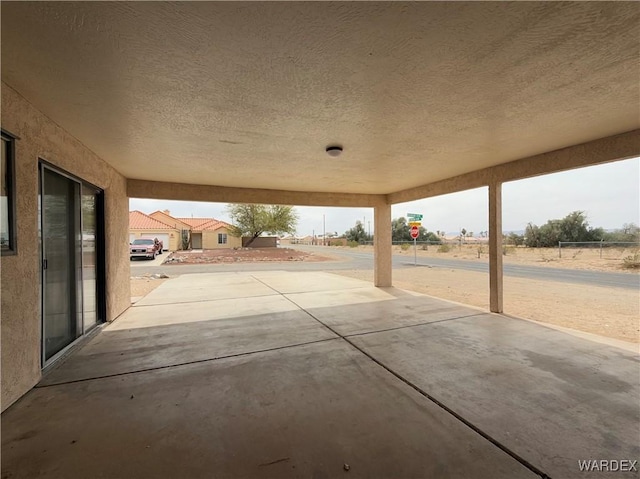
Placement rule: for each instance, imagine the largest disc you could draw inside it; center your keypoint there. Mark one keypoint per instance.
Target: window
(7, 195)
(222, 238)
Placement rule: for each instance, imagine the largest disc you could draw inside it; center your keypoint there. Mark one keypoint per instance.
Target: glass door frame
(43, 166)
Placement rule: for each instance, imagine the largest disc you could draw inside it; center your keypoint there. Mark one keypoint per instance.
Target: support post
(495, 248)
(382, 269)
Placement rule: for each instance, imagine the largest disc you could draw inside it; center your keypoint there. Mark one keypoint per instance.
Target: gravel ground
(242, 255)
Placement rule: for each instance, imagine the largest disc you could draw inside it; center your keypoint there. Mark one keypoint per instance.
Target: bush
(508, 250)
(405, 246)
(444, 248)
(353, 244)
(337, 242)
(631, 261)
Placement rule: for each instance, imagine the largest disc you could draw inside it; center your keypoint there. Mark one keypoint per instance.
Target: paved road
(363, 260)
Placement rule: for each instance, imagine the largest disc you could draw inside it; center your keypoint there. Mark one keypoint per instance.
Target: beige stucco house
(217, 234)
(209, 233)
(143, 225)
(201, 233)
(165, 217)
(104, 101)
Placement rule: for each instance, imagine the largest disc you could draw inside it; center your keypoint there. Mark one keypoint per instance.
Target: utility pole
(324, 232)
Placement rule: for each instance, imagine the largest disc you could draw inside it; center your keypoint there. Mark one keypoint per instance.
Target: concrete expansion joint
(419, 390)
(195, 301)
(426, 323)
(186, 363)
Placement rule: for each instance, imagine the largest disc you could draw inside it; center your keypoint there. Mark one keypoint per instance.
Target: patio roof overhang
(241, 98)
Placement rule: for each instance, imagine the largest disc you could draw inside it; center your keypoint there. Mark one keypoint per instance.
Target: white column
(382, 269)
(495, 248)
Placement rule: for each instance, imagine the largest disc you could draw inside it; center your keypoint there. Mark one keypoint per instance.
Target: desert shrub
(405, 246)
(631, 261)
(337, 242)
(444, 248)
(508, 250)
(353, 244)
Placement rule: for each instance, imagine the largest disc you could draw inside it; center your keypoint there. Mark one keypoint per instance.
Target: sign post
(415, 231)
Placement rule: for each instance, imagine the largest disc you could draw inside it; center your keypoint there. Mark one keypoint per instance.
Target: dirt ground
(142, 286)
(572, 258)
(609, 312)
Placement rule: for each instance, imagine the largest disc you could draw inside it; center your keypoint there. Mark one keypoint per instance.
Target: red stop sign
(414, 232)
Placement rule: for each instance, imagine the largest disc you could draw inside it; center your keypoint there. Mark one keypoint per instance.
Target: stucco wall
(42, 138)
(260, 242)
(210, 240)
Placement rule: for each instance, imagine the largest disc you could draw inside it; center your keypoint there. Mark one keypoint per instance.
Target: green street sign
(415, 216)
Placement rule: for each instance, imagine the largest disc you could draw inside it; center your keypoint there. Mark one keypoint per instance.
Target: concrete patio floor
(279, 374)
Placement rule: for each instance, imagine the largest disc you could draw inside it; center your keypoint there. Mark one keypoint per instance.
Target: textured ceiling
(249, 94)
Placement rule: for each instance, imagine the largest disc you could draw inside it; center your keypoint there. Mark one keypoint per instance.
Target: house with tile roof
(184, 233)
(165, 217)
(216, 234)
(143, 225)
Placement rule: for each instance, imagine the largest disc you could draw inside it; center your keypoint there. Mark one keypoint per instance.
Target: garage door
(164, 237)
(132, 236)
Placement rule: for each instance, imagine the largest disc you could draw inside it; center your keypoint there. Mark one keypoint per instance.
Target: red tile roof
(214, 225)
(168, 219)
(139, 221)
(195, 223)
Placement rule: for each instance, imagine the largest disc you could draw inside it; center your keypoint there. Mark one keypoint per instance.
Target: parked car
(145, 248)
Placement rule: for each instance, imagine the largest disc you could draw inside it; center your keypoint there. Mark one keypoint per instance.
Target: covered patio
(281, 374)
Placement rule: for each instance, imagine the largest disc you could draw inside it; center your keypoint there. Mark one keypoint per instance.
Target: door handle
(44, 264)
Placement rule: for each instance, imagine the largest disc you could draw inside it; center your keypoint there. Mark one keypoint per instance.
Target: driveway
(279, 374)
(139, 264)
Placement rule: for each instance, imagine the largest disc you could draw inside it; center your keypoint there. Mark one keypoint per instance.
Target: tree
(629, 233)
(401, 231)
(429, 236)
(515, 239)
(253, 220)
(532, 236)
(572, 228)
(631, 229)
(357, 233)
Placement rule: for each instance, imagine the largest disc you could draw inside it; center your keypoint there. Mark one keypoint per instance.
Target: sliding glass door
(89, 256)
(69, 233)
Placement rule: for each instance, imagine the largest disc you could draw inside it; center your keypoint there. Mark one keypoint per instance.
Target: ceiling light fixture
(334, 150)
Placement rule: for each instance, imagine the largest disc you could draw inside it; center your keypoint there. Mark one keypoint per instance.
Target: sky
(609, 195)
